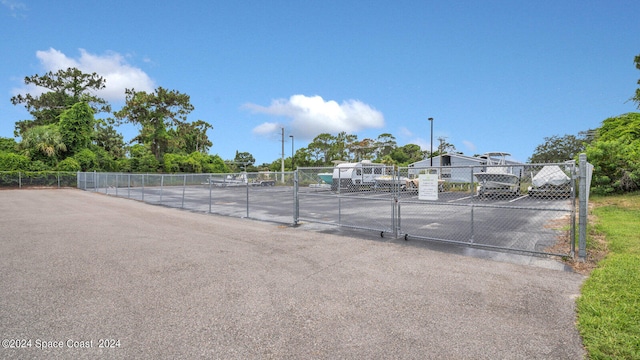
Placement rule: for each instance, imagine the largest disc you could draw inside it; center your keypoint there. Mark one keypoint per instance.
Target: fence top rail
(260, 173)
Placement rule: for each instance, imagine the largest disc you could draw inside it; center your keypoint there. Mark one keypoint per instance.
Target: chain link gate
(358, 196)
(524, 207)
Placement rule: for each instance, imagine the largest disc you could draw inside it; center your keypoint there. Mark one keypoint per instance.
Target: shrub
(12, 161)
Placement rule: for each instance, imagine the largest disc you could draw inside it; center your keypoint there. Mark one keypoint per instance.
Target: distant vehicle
(241, 179)
(551, 181)
(497, 178)
(358, 175)
(326, 177)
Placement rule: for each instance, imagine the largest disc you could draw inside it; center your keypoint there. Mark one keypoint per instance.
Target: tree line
(64, 134)
(613, 149)
(67, 133)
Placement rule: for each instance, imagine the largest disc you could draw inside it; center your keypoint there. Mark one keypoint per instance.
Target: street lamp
(293, 156)
(431, 154)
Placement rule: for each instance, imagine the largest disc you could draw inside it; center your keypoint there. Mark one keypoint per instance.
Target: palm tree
(44, 140)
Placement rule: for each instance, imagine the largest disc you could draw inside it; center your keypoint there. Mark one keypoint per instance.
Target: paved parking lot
(79, 268)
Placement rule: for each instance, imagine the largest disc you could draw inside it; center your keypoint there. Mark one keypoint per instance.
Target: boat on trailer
(497, 177)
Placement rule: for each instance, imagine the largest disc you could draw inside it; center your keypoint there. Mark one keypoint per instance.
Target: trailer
(358, 176)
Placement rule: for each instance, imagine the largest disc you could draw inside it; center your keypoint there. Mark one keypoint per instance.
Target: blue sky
(495, 75)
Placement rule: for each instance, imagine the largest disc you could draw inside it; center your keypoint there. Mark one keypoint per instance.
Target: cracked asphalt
(85, 275)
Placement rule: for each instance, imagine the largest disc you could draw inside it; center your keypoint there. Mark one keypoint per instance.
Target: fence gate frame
(575, 206)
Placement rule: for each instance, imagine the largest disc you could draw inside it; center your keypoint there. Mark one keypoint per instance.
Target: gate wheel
(381, 234)
(406, 237)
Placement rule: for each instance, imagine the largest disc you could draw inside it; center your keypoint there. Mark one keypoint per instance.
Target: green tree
(105, 136)
(87, 160)
(191, 137)
(69, 164)
(43, 143)
(385, 143)
(364, 149)
(616, 166)
(214, 164)
(636, 98)
(13, 161)
(625, 127)
(615, 154)
(65, 88)
(143, 160)
(321, 148)
(303, 157)
(444, 147)
(174, 163)
(77, 127)
(8, 145)
(341, 147)
(156, 113)
(407, 154)
(556, 149)
(244, 161)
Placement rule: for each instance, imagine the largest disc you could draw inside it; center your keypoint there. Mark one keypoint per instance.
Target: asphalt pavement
(84, 275)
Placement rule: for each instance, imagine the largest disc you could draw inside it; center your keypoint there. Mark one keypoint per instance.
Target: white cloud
(469, 145)
(424, 144)
(112, 66)
(267, 128)
(405, 132)
(313, 115)
(16, 8)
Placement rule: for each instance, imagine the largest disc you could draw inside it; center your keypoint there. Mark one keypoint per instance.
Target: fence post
(210, 193)
(574, 199)
(161, 186)
(142, 187)
(296, 199)
(339, 198)
(471, 188)
(246, 179)
(582, 214)
(184, 186)
(19, 179)
(129, 186)
(395, 178)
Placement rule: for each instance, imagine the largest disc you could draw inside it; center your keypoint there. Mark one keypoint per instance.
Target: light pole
(431, 154)
(293, 156)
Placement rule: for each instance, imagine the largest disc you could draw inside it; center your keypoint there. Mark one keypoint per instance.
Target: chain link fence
(522, 207)
(262, 196)
(35, 179)
(348, 196)
(525, 207)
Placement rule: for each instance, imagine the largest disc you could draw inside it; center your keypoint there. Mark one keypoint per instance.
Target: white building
(459, 167)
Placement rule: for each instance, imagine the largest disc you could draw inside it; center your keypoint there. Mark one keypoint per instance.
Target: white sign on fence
(428, 187)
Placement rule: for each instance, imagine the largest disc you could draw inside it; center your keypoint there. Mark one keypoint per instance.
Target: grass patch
(609, 306)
